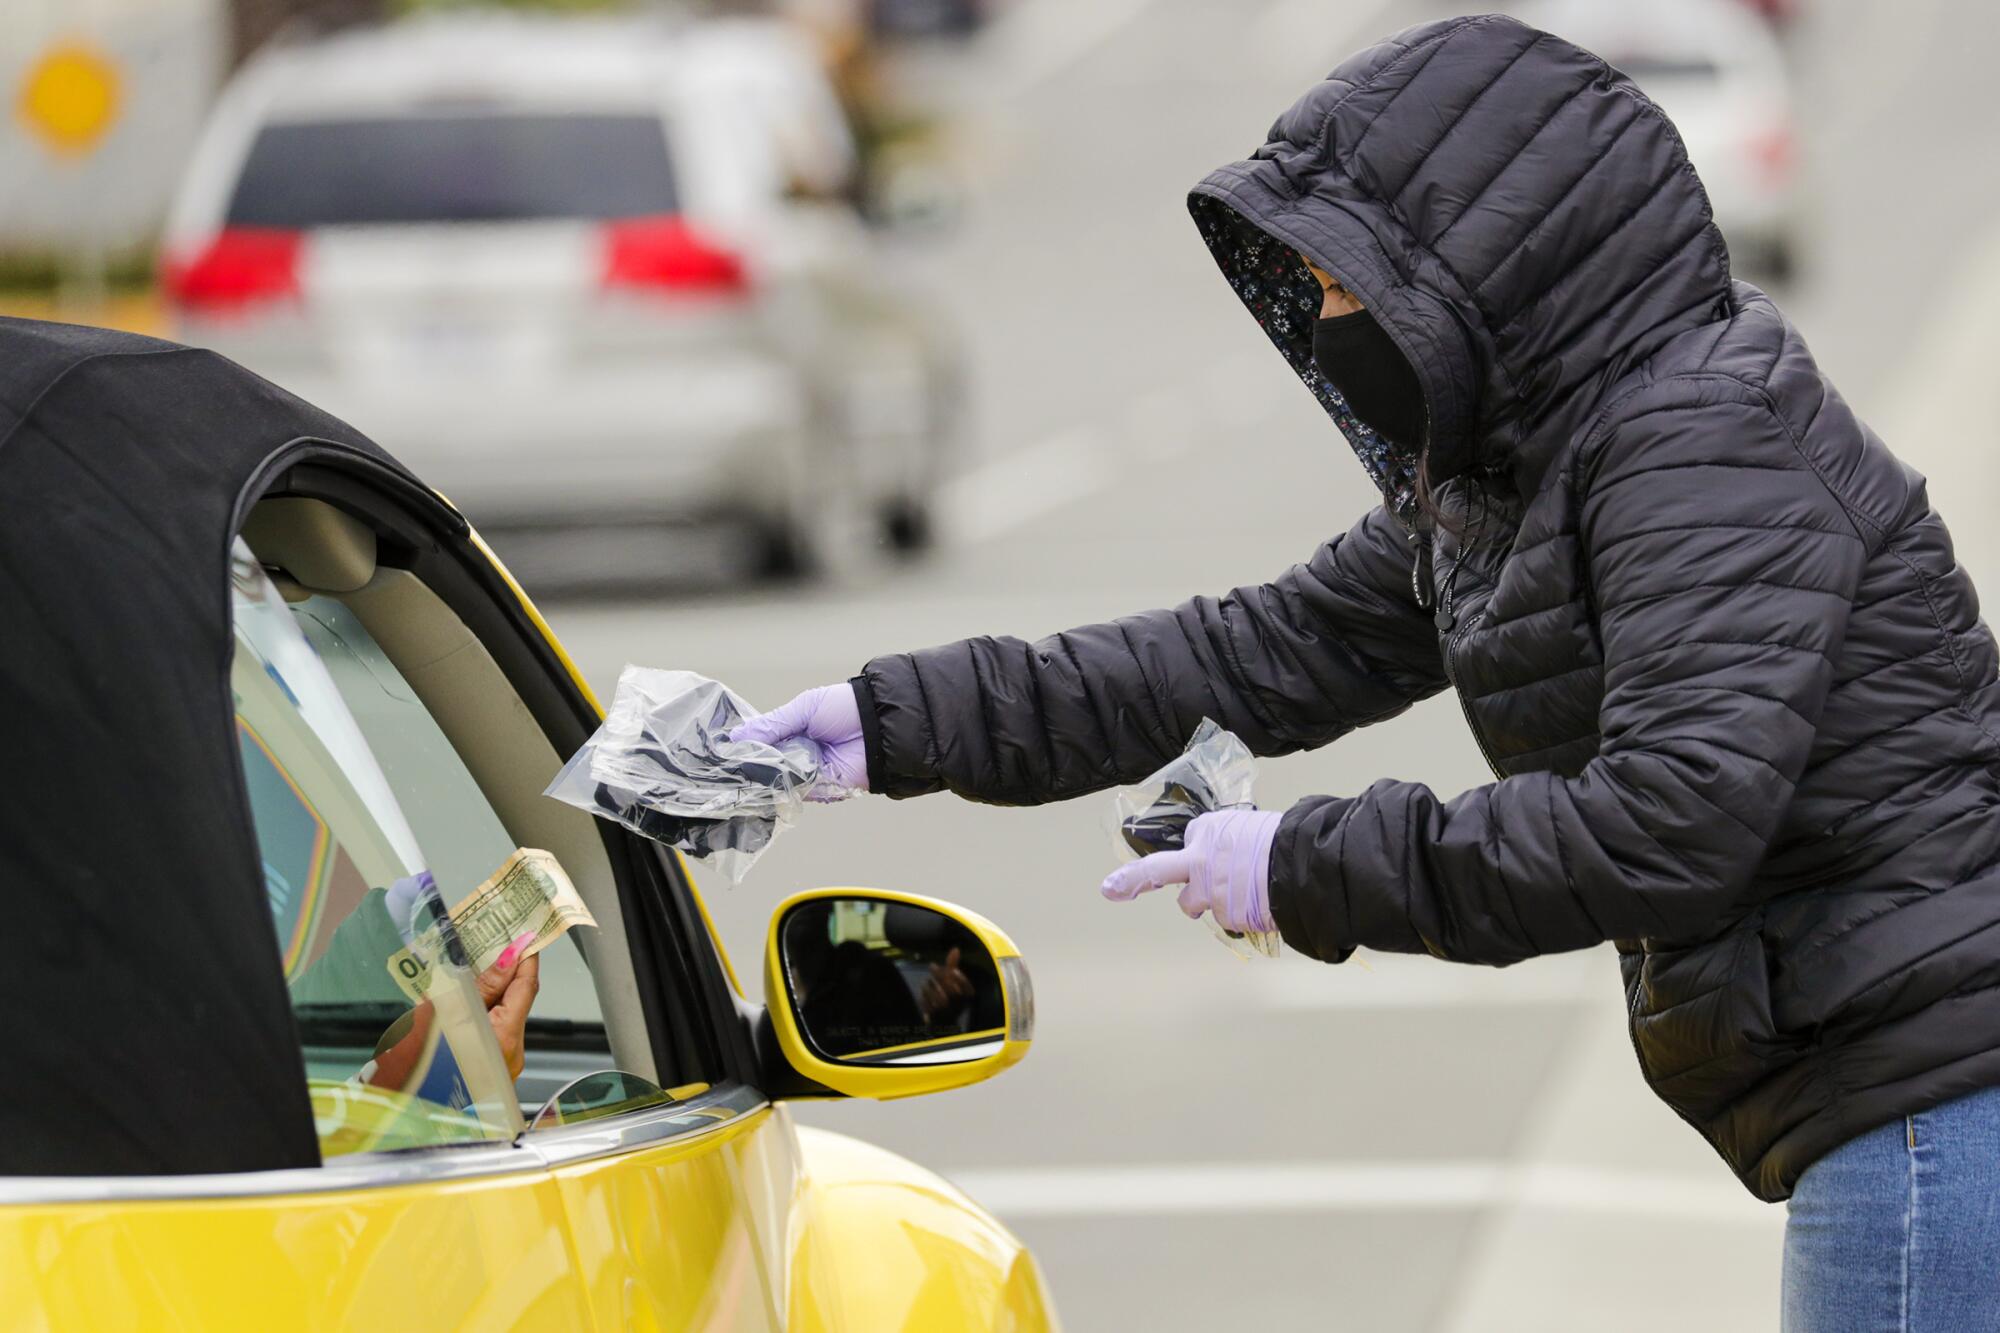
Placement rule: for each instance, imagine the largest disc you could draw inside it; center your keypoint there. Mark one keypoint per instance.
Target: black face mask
(1356, 355)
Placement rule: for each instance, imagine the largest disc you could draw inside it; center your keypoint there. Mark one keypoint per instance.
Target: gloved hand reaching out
(828, 716)
(1226, 866)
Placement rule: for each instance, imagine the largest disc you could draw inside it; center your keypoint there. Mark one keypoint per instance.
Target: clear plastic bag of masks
(1214, 772)
(661, 766)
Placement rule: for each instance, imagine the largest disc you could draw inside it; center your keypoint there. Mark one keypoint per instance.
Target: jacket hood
(1520, 217)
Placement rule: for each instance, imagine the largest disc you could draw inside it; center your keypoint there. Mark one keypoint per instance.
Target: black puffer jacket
(1708, 630)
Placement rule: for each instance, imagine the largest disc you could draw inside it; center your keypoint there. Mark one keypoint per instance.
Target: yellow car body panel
(676, 1236)
(759, 1227)
(884, 1245)
(490, 1253)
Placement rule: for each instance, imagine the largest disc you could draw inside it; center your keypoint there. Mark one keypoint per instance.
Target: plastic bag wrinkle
(1214, 772)
(661, 765)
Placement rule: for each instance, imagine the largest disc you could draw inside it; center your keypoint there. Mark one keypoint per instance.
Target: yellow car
(276, 725)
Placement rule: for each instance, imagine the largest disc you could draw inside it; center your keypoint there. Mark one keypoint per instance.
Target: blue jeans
(1900, 1228)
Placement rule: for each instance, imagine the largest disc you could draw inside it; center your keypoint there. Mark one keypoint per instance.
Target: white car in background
(1715, 67)
(592, 278)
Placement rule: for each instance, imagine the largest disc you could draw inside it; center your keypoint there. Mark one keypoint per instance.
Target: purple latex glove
(829, 717)
(1226, 866)
(400, 900)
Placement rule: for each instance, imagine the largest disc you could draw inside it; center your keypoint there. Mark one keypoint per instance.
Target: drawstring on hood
(1512, 268)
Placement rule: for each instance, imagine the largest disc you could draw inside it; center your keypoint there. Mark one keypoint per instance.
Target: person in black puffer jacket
(1710, 635)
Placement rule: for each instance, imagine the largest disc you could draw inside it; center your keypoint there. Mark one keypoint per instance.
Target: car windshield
(460, 167)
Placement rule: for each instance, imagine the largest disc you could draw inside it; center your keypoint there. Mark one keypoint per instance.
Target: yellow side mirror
(880, 994)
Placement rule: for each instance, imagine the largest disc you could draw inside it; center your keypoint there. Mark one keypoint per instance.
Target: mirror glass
(594, 1096)
(878, 982)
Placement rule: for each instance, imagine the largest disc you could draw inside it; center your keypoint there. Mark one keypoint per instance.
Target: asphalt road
(1197, 1142)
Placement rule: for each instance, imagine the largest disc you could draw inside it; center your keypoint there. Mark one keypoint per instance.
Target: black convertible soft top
(148, 1029)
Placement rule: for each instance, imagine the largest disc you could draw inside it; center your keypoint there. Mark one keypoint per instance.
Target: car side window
(451, 818)
(371, 829)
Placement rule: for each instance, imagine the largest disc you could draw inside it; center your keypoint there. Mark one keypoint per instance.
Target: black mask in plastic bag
(662, 765)
(1358, 358)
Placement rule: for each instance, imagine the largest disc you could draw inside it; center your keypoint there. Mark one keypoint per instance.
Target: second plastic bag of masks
(1215, 772)
(659, 766)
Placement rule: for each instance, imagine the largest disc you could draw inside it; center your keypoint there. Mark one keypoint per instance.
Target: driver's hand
(508, 989)
(945, 987)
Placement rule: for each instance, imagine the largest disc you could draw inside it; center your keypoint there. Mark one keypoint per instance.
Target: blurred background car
(1777, 11)
(1717, 69)
(927, 18)
(596, 279)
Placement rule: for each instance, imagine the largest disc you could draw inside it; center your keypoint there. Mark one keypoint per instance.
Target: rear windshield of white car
(453, 168)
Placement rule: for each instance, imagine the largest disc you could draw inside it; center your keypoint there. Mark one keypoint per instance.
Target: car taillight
(665, 254)
(242, 266)
(1774, 152)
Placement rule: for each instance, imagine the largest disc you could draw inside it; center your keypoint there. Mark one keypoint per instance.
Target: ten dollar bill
(528, 893)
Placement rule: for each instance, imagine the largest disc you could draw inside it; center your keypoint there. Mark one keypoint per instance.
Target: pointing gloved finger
(1146, 874)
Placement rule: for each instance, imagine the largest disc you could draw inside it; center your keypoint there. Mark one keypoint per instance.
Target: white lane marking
(1039, 39)
(1017, 488)
(1014, 489)
(1224, 1188)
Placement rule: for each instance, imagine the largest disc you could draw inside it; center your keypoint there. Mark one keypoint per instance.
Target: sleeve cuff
(871, 731)
(1302, 906)
(896, 726)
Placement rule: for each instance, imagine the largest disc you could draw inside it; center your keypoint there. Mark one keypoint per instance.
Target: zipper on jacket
(1464, 706)
(1448, 625)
